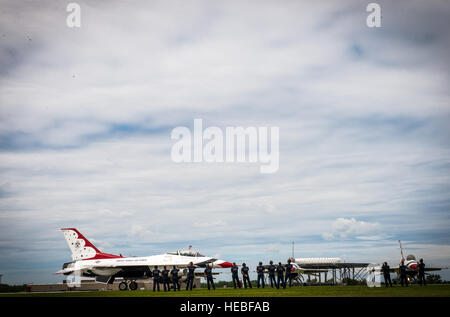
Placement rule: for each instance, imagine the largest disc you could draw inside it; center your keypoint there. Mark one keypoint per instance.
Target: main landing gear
(132, 285)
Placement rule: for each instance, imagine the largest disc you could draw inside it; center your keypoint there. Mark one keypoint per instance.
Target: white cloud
(140, 231)
(101, 245)
(327, 235)
(273, 248)
(347, 228)
(364, 137)
(210, 224)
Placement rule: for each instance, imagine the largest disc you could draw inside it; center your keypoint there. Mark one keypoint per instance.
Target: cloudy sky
(86, 116)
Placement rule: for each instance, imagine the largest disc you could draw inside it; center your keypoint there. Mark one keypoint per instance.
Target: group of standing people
(162, 277)
(284, 275)
(402, 273)
(283, 272)
(167, 277)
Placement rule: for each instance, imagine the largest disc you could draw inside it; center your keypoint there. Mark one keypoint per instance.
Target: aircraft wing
(301, 270)
(201, 274)
(394, 270)
(70, 270)
(427, 269)
(310, 271)
(203, 263)
(65, 271)
(432, 269)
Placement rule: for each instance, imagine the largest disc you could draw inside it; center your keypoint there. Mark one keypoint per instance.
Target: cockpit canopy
(188, 252)
(410, 257)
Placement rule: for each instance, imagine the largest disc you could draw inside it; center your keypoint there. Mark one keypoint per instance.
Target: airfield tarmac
(442, 290)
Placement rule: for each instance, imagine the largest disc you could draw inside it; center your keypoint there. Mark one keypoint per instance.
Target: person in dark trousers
(402, 271)
(175, 282)
(234, 275)
(288, 274)
(271, 270)
(190, 276)
(422, 273)
(155, 274)
(280, 278)
(386, 274)
(260, 271)
(209, 276)
(245, 276)
(165, 279)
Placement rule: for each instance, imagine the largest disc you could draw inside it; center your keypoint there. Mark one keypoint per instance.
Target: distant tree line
(5, 288)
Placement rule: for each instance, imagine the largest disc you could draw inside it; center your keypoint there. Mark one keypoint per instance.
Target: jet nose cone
(226, 264)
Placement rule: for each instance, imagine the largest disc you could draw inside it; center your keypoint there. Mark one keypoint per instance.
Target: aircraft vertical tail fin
(82, 248)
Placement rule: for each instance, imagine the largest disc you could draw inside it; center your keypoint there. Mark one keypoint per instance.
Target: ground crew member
(209, 276)
(234, 275)
(280, 270)
(288, 274)
(386, 274)
(165, 279)
(260, 271)
(175, 282)
(190, 276)
(155, 274)
(402, 271)
(422, 273)
(245, 277)
(271, 270)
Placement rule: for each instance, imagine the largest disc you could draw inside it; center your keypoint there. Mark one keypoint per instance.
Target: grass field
(304, 291)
